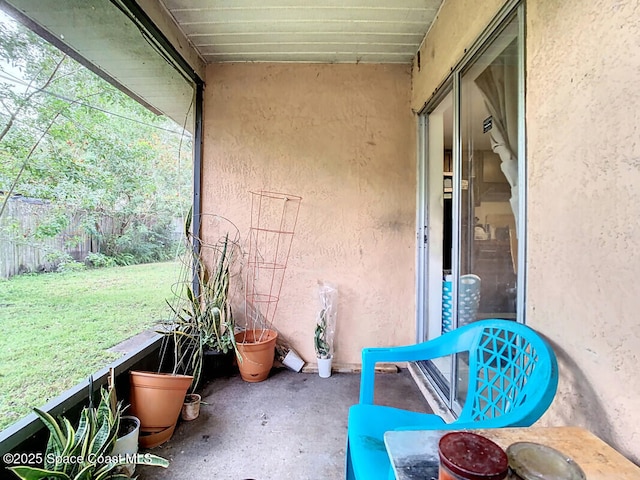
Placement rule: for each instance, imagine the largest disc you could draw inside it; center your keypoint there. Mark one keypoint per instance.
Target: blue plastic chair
(513, 377)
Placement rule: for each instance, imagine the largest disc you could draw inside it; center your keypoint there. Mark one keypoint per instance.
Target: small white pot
(293, 361)
(324, 367)
(127, 445)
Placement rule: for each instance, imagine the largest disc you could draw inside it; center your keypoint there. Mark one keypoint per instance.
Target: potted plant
(84, 452)
(126, 443)
(325, 327)
(323, 350)
(156, 399)
(256, 346)
(201, 324)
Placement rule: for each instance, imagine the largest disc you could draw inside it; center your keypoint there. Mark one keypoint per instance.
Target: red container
(468, 456)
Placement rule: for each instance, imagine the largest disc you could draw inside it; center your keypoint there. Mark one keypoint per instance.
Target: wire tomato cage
(273, 223)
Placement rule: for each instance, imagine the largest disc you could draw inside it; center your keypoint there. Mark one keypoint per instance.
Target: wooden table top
(414, 453)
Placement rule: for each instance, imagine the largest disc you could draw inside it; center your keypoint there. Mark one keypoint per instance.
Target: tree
(71, 138)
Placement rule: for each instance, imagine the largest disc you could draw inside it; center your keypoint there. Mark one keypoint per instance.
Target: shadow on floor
(291, 426)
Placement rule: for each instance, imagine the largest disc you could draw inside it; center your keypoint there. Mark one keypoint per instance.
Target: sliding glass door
(472, 141)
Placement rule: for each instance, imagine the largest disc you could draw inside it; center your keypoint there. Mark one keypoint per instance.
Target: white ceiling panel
(335, 14)
(222, 39)
(371, 31)
(97, 33)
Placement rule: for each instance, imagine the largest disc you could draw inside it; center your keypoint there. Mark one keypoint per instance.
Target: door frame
(452, 83)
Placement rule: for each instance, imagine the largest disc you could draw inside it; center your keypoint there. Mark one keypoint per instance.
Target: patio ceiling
(330, 31)
(113, 37)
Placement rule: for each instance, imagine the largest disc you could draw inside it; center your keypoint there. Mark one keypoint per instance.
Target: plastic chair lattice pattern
(505, 361)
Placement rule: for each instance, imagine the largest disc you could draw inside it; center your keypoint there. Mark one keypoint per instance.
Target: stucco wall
(343, 138)
(583, 126)
(583, 160)
(455, 29)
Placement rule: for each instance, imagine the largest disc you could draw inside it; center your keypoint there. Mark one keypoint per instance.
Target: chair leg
(349, 473)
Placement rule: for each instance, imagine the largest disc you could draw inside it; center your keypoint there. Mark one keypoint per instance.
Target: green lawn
(56, 328)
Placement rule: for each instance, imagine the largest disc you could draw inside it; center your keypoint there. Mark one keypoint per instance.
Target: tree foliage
(71, 138)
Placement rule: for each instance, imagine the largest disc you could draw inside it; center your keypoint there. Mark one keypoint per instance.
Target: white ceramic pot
(127, 445)
(324, 367)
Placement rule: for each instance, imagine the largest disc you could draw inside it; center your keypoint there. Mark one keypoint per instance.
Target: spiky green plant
(201, 316)
(83, 453)
(323, 350)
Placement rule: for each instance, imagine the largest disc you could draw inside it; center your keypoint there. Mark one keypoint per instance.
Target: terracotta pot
(157, 398)
(191, 407)
(151, 439)
(256, 350)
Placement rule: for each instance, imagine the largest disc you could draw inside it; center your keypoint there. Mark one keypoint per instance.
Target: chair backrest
(513, 374)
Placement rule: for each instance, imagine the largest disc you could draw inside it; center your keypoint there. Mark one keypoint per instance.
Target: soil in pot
(256, 349)
(127, 425)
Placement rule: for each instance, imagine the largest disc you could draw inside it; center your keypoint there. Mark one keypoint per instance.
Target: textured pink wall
(583, 125)
(343, 138)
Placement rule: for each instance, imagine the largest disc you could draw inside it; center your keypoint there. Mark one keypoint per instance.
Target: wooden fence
(21, 253)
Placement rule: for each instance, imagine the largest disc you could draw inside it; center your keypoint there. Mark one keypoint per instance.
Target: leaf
(151, 459)
(57, 439)
(32, 473)
(86, 473)
(71, 436)
(86, 438)
(83, 427)
(101, 437)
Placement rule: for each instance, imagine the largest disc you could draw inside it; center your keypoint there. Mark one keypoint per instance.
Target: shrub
(99, 260)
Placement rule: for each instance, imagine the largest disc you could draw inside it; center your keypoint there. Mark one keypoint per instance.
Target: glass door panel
(439, 178)
(489, 96)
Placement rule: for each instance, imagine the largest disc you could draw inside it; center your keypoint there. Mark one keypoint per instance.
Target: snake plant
(200, 310)
(84, 453)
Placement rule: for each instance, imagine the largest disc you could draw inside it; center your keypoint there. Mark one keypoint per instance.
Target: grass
(57, 327)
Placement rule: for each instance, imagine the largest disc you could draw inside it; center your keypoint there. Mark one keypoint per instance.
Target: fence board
(21, 253)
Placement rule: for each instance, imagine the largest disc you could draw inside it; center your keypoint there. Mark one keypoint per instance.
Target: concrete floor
(291, 426)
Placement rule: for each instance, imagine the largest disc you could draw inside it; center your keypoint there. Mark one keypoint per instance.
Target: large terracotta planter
(156, 399)
(256, 350)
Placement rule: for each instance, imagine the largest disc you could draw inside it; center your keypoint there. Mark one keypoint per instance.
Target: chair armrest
(438, 347)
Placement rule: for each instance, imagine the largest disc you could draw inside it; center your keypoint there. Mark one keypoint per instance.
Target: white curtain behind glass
(499, 86)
